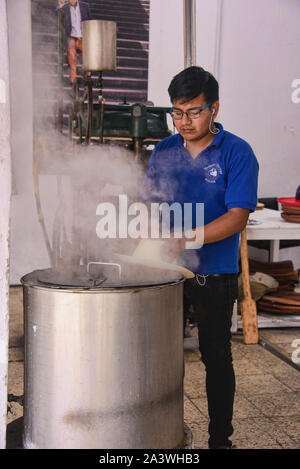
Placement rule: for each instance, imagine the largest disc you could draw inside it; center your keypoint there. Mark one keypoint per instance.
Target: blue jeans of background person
(212, 298)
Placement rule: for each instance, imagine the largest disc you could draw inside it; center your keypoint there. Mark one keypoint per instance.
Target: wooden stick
(248, 305)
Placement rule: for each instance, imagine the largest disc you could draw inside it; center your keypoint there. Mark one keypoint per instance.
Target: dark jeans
(212, 298)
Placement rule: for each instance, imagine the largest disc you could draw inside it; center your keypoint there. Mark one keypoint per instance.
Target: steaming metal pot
(103, 364)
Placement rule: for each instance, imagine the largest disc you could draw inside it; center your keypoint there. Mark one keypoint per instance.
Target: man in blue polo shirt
(203, 163)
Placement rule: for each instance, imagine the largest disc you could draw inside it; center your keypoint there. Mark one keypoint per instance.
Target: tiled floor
(267, 403)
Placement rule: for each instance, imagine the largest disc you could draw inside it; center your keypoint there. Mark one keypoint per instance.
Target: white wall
(28, 251)
(5, 191)
(166, 51)
(254, 53)
(259, 59)
(166, 56)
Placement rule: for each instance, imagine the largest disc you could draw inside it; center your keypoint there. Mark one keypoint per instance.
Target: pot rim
(31, 280)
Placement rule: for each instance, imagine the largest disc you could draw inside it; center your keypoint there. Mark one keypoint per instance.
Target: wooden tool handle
(248, 305)
(245, 265)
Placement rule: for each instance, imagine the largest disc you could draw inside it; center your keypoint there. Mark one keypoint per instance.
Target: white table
(274, 228)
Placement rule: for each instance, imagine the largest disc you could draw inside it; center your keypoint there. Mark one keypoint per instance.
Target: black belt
(201, 278)
(215, 275)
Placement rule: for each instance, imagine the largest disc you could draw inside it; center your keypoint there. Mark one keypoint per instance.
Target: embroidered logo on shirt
(212, 172)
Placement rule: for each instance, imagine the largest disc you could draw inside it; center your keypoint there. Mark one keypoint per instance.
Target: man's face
(194, 129)
(73, 2)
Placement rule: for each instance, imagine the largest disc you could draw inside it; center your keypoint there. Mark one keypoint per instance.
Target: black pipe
(278, 354)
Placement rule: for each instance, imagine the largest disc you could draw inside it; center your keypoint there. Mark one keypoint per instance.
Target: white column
(166, 51)
(166, 47)
(28, 250)
(5, 194)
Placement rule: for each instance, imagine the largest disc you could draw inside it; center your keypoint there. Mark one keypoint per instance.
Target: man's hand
(60, 3)
(222, 227)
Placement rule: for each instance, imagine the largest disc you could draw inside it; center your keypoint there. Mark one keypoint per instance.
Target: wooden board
(248, 305)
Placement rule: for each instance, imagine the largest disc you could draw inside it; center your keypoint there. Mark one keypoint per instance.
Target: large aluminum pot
(103, 367)
(99, 45)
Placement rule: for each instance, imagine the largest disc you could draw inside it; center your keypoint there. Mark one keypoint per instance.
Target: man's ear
(215, 108)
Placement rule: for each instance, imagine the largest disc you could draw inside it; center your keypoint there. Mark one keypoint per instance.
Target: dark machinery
(134, 126)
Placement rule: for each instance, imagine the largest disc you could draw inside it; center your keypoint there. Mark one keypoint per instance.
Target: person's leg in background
(76, 45)
(72, 58)
(213, 304)
(79, 44)
(79, 47)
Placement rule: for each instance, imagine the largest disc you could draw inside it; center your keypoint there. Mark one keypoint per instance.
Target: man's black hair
(191, 82)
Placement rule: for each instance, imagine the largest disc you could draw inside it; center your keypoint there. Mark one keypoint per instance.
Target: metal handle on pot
(105, 263)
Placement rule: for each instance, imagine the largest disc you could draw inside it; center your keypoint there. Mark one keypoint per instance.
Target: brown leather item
(287, 209)
(270, 267)
(291, 214)
(282, 271)
(289, 285)
(284, 300)
(285, 297)
(290, 217)
(266, 307)
(291, 276)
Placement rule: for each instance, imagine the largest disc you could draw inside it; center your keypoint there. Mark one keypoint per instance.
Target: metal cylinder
(139, 126)
(103, 368)
(99, 40)
(189, 28)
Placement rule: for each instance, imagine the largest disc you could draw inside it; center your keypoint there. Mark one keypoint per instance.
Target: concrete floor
(267, 404)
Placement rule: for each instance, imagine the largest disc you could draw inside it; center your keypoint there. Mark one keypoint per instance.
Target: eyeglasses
(193, 113)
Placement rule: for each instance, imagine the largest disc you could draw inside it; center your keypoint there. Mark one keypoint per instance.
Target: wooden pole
(248, 305)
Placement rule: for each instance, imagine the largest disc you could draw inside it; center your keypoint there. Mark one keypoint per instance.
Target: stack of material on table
(282, 271)
(280, 302)
(290, 209)
(285, 300)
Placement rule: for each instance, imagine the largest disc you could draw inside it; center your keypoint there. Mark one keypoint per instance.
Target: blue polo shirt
(222, 176)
